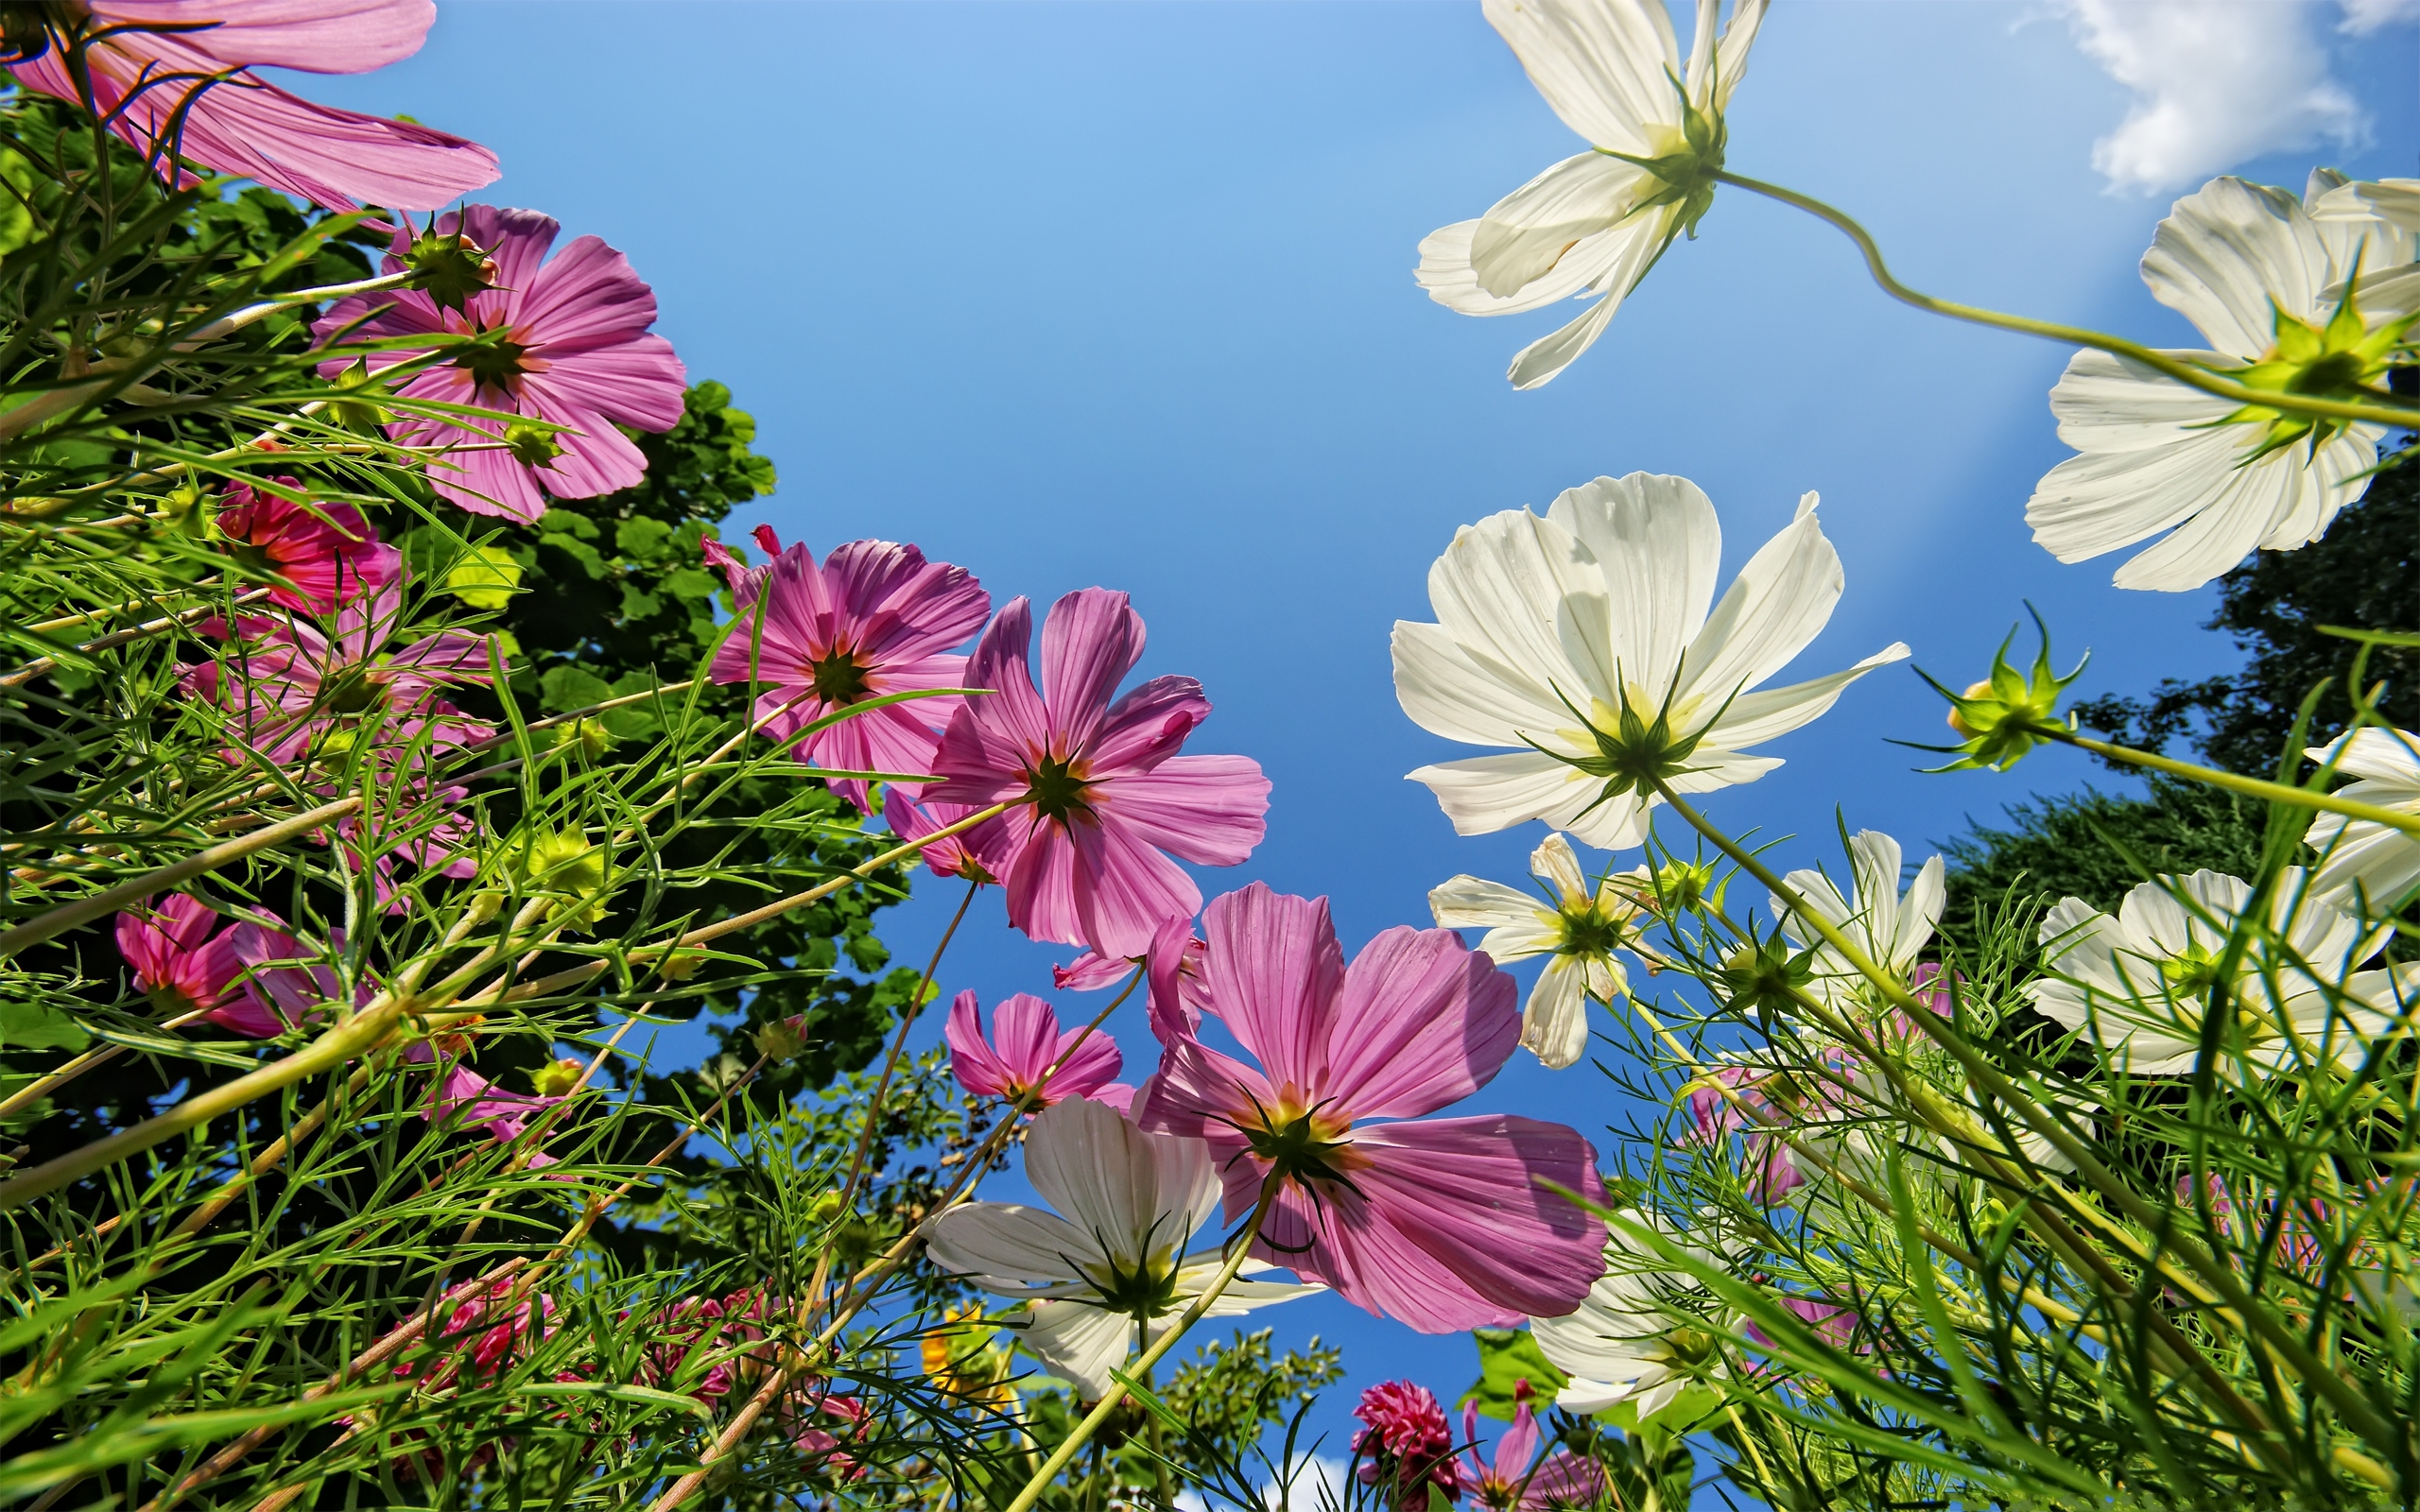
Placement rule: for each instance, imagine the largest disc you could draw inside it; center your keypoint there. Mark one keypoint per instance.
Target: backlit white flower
(1575, 928)
(2139, 985)
(1591, 226)
(1892, 929)
(2396, 201)
(1645, 1333)
(1116, 1260)
(2377, 860)
(2255, 271)
(1584, 636)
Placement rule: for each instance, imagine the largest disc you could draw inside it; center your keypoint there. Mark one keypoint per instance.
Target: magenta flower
(1517, 1479)
(190, 93)
(327, 552)
(1025, 1043)
(288, 985)
(1440, 1224)
(875, 618)
(1405, 1447)
(979, 854)
(568, 345)
(1772, 1166)
(478, 1104)
(1108, 792)
(175, 956)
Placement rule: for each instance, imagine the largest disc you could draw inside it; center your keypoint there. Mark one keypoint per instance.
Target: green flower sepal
(2009, 713)
(1687, 175)
(2343, 359)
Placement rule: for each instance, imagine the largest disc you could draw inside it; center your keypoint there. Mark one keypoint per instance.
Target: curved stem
(2249, 786)
(2184, 372)
(1116, 1397)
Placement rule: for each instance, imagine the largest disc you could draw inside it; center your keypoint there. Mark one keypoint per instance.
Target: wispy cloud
(1316, 1483)
(2219, 81)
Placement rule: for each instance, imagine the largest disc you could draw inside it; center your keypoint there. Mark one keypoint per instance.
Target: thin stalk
(93, 905)
(2249, 786)
(2385, 412)
(35, 668)
(2289, 1351)
(1116, 1397)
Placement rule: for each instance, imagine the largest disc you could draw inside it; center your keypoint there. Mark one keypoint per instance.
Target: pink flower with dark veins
(979, 854)
(1444, 1224)
(189, 92)
(176, 958)
(566, 343)
(1104, 794)
(874, 618)
(1518, 1479)
(327, 553)
(1025, 1043)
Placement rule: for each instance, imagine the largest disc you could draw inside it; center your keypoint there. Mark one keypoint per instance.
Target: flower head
(1442, 1224)
(190, 93)
(2009, 713)
(471, 1101)
(323, 555)
(1025, 1043)
(1405, 1445)
(2361, 858)
(2141, 984)
(2250, 267)
(1105, 793)
(244, 978)
(1592, 224)
(1577, 930)
(563, 342)
(875, 618)
(1110, 1260)
(979, 854)
(1517, 1478)
(1890, 928)
(1584, 636)
(1645, 1333)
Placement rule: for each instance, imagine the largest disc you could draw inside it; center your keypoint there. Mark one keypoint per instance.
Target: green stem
(1109, 1403)
(2357, 1410)
(2184, 372)
(2249, 786)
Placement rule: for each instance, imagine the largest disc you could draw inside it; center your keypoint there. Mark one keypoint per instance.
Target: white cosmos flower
(2237, 258)
(2363, 856)
(1890, 927)
(1112, 1257)
(1576, 928)
(1645, 1333)
(2139, 984)
(1550, 628)
(1591, 226)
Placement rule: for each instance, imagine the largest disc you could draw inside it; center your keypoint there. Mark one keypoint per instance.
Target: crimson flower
(1405, 1448)
(1441, 1224)
(1106, 793)
(326, 554)
(875, 618)
(189, 92)
(564, 342)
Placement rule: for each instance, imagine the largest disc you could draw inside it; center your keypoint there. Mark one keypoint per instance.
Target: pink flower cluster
(1404, 1446)
(250, 978)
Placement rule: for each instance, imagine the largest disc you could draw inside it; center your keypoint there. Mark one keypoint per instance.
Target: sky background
(1121, 295)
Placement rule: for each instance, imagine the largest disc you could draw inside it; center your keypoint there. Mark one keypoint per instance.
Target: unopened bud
(449, 269)
(591, 739)
(556, 1078)
(531, 446)
(2009, 713)
(355, 406)
(782, 1038)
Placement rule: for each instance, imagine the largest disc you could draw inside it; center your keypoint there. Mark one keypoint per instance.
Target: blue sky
(1121, 295)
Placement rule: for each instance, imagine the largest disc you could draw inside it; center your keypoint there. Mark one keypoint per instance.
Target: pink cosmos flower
(1440, 1224)
(242, 978)
(1773, 1167)
(1108, 792)
(326, 552)
(476, 1103)
(1834, 1324)
(979, 854)
(190, 93)
(569, 345)
(289, 685)
(1025, 1043)
(1405, 1447)
(1518, 1479)
(875, 618)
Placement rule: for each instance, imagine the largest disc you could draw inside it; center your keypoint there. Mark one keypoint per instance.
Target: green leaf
(1507, 1357)
(483, 577)
(565, 688)
(32, 1026)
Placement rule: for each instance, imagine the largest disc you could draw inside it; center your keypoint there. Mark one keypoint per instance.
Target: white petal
(1448, 691)
(2225, 251)
(1636, 244)
(1445, 271)
(1525, 236)
(1731, 53)
(1137, 1192)
(1659, 547)
(1484, 793)
(1778, 603)
(1473, 902)
(2391, 756)
(1920, 912)
(1554, 862)
(1755, 717)
(2395, 202)
(1524, 600)
(1080, 1342)
(1602, 65)
(1554, 1023)
(1010, 1240)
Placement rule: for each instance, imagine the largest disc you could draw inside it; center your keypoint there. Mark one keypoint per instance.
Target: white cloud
(2218, 81)
(2364, 16)
(1318, 1484)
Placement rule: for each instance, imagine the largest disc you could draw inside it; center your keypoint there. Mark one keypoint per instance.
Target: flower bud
(2008, 713)
(557, 1077)
(782, 1038)
(530, 446)
(449, 267)
(355, 406)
